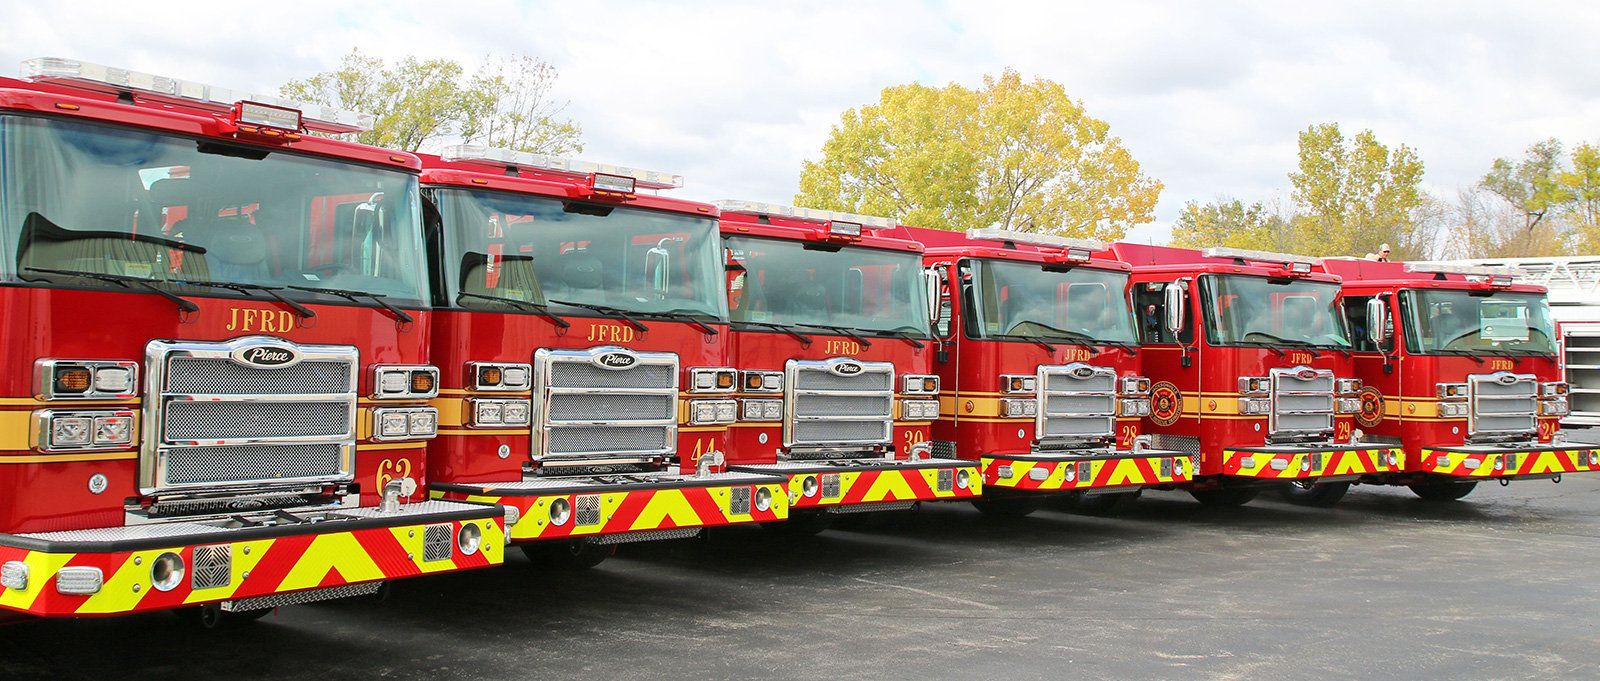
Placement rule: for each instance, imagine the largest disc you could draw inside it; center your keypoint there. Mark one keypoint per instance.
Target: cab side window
(1150, 311)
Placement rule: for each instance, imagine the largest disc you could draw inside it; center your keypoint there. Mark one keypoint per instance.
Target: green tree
(1013, 154)
(421, 103)
(1530, 185)
(1356, 194)
(1230, 223)
(1581, 184)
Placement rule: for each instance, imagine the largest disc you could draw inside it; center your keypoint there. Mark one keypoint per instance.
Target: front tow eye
(393, 490)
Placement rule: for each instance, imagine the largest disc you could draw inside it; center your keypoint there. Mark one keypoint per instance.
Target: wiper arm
(1497, 352)
(684, 315)
(1031, 339)
(607, 309)
(1461, 353)
(302, 311)
(902, 335)
(843, 331)
(122, 280)
(779, 327)
(1262, 344)
(355, 296)
(540, 309)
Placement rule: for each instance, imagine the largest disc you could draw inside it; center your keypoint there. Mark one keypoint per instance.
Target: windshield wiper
(1262, 344)
(300, 310)
(1297, 343)
(1497, 352)
(537, 308)
(122, 280)
(778, 327)
(684, 315)
(355, 296)
(900, 333)
(841, 330)
(1460, 353)
(1031, 339)
(607, 309)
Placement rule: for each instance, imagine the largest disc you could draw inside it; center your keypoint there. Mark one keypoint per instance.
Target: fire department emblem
(1166, 404)
(1371, 408)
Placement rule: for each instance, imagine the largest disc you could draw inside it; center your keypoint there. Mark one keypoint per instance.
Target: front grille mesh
(250, 463)
(1076, 402)
(212, 376)
(230, 420)
(590, 412)
(1302, 405)
(826, 409)
(1503, 409)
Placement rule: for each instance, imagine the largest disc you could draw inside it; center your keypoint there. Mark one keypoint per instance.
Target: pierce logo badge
(1507, 379)
(846, 369)
(1306, 374)
(616, 360)
(266, 356)
(1083, 372)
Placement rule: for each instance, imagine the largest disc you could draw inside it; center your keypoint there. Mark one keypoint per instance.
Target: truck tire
(1443, 491)
(1308, 493)
(568, 555)
(1225, 497)
(1006, 507)
(1110, 504)
(801, 524)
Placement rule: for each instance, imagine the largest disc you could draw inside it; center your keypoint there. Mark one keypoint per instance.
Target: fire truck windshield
(793, 283)
(1443, 321)
(1245, 310)
(509, 250)
(90, 205)
(1028, 301)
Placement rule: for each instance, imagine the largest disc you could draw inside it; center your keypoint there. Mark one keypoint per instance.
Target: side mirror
(1378, 328)
(933, 281)
(656, 263)
(1175, 306)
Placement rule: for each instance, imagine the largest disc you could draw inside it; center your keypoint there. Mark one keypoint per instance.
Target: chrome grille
(588, 412)
(1077, 402)
(194, 420)
(213, 567)
(1503, 404)
(1302, 402)
(217, 423)
(826, 407)
(236, 464)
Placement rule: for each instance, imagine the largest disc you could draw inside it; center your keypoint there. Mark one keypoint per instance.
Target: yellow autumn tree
(1014, 154)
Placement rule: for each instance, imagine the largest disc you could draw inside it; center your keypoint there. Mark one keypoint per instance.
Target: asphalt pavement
(1502, 585)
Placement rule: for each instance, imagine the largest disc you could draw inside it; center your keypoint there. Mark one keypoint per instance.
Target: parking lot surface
(1502, 585)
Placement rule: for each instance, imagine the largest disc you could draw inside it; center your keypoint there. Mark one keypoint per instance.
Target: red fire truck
(836, 391)
(1460, 369)
(215, 359)
(1253, 371)
(1040, 369)
(583, 333)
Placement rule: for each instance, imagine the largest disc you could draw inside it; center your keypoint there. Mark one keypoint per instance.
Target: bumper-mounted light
(405, 382)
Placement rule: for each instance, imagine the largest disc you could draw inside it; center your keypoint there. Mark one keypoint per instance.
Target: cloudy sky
(734, 95)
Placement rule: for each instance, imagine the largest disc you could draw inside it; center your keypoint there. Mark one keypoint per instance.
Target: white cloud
(735, 95)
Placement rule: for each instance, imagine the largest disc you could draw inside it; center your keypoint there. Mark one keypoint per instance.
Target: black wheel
(1006, 507)
(802, 524)
(1109, 504)
(1443, 491)
(568, 555)
(1309, 493)
(1224, 497)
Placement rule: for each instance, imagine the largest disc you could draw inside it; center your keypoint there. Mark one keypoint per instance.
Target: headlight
(1556, 407)
(919, 384)
(424, 422)
(713, 380)
(499, 376)
(1019, 408)
(1135, 407)
(1255, 406)
(54, 430)
(1452, 410)
(704, 412)
(400, 423)
(1135, 385)
(1018, 384)
(1451, 391)
(88, 379)
(919, 410)
(1254, 385)
(761, 381)
(404, 382)
(1349, 405)
(1555, 389)
(469, 539)
(1347, 386)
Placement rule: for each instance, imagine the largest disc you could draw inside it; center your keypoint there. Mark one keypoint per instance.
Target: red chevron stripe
(387, 552)
(633, 505)
(274, 567)
(858, 490)
(706, 507)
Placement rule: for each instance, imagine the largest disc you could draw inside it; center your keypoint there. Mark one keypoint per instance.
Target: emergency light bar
(846, 224)
(1035, 238)
(606, 178)
(263, 110)
(1435, 267)
(1287, 259)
